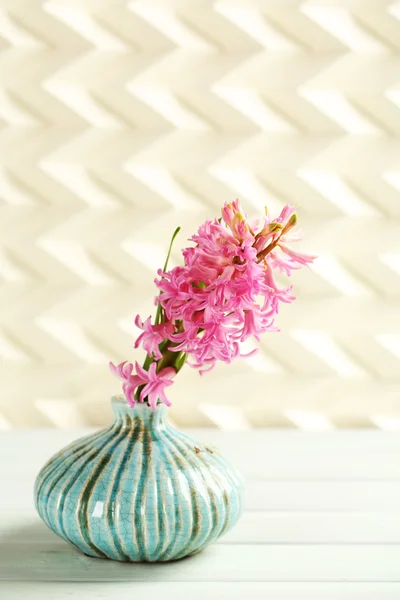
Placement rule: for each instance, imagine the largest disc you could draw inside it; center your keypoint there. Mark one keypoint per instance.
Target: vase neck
(128, 415)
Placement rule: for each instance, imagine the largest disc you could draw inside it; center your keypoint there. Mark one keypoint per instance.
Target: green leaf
(180, 361)
(177, 230)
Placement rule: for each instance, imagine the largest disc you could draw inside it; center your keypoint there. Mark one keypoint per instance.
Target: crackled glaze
(139, 490)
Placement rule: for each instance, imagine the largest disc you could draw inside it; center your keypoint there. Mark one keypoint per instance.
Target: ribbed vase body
(139, 490)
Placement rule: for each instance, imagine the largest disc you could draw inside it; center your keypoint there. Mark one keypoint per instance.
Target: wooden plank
(200, 590)
(315, 528)
(255, 527)
(324, 495)
(223, 563)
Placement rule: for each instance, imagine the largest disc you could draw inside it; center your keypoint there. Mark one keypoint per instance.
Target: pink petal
(167, 372)
(152, 375)
(138, 322)
(164, 398)
(129, 395)
(127, 369)
(113, 368)
(143, 393)
(143, 374)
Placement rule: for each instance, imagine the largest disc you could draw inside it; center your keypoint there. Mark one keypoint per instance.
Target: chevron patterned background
(121, 120)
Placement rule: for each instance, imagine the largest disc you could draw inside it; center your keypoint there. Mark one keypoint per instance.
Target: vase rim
(118, 399)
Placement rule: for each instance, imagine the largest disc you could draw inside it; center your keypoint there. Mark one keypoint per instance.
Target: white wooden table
(322, 523)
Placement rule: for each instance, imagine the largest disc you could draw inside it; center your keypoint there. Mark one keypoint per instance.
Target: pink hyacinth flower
(236, 220)
(152, 336)
(130, 381)
(286, 214)
(154, 383)
(223, 294)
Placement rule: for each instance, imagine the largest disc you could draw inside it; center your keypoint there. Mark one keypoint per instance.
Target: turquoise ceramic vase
(139, 490)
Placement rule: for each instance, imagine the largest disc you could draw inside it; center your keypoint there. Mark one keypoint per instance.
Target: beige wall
(121, 120)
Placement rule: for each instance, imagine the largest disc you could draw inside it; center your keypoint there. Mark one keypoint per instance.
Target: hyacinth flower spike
(209, 306)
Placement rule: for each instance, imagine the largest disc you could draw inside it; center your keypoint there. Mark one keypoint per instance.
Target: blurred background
(120, 120)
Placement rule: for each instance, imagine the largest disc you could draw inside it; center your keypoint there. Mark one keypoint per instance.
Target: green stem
(169, 358)
(291, 223)
(172, 359)
(159, 313)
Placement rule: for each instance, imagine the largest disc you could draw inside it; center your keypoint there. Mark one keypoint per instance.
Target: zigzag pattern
(120, 120)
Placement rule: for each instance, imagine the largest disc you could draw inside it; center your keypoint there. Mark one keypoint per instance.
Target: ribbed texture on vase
(139, 490)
